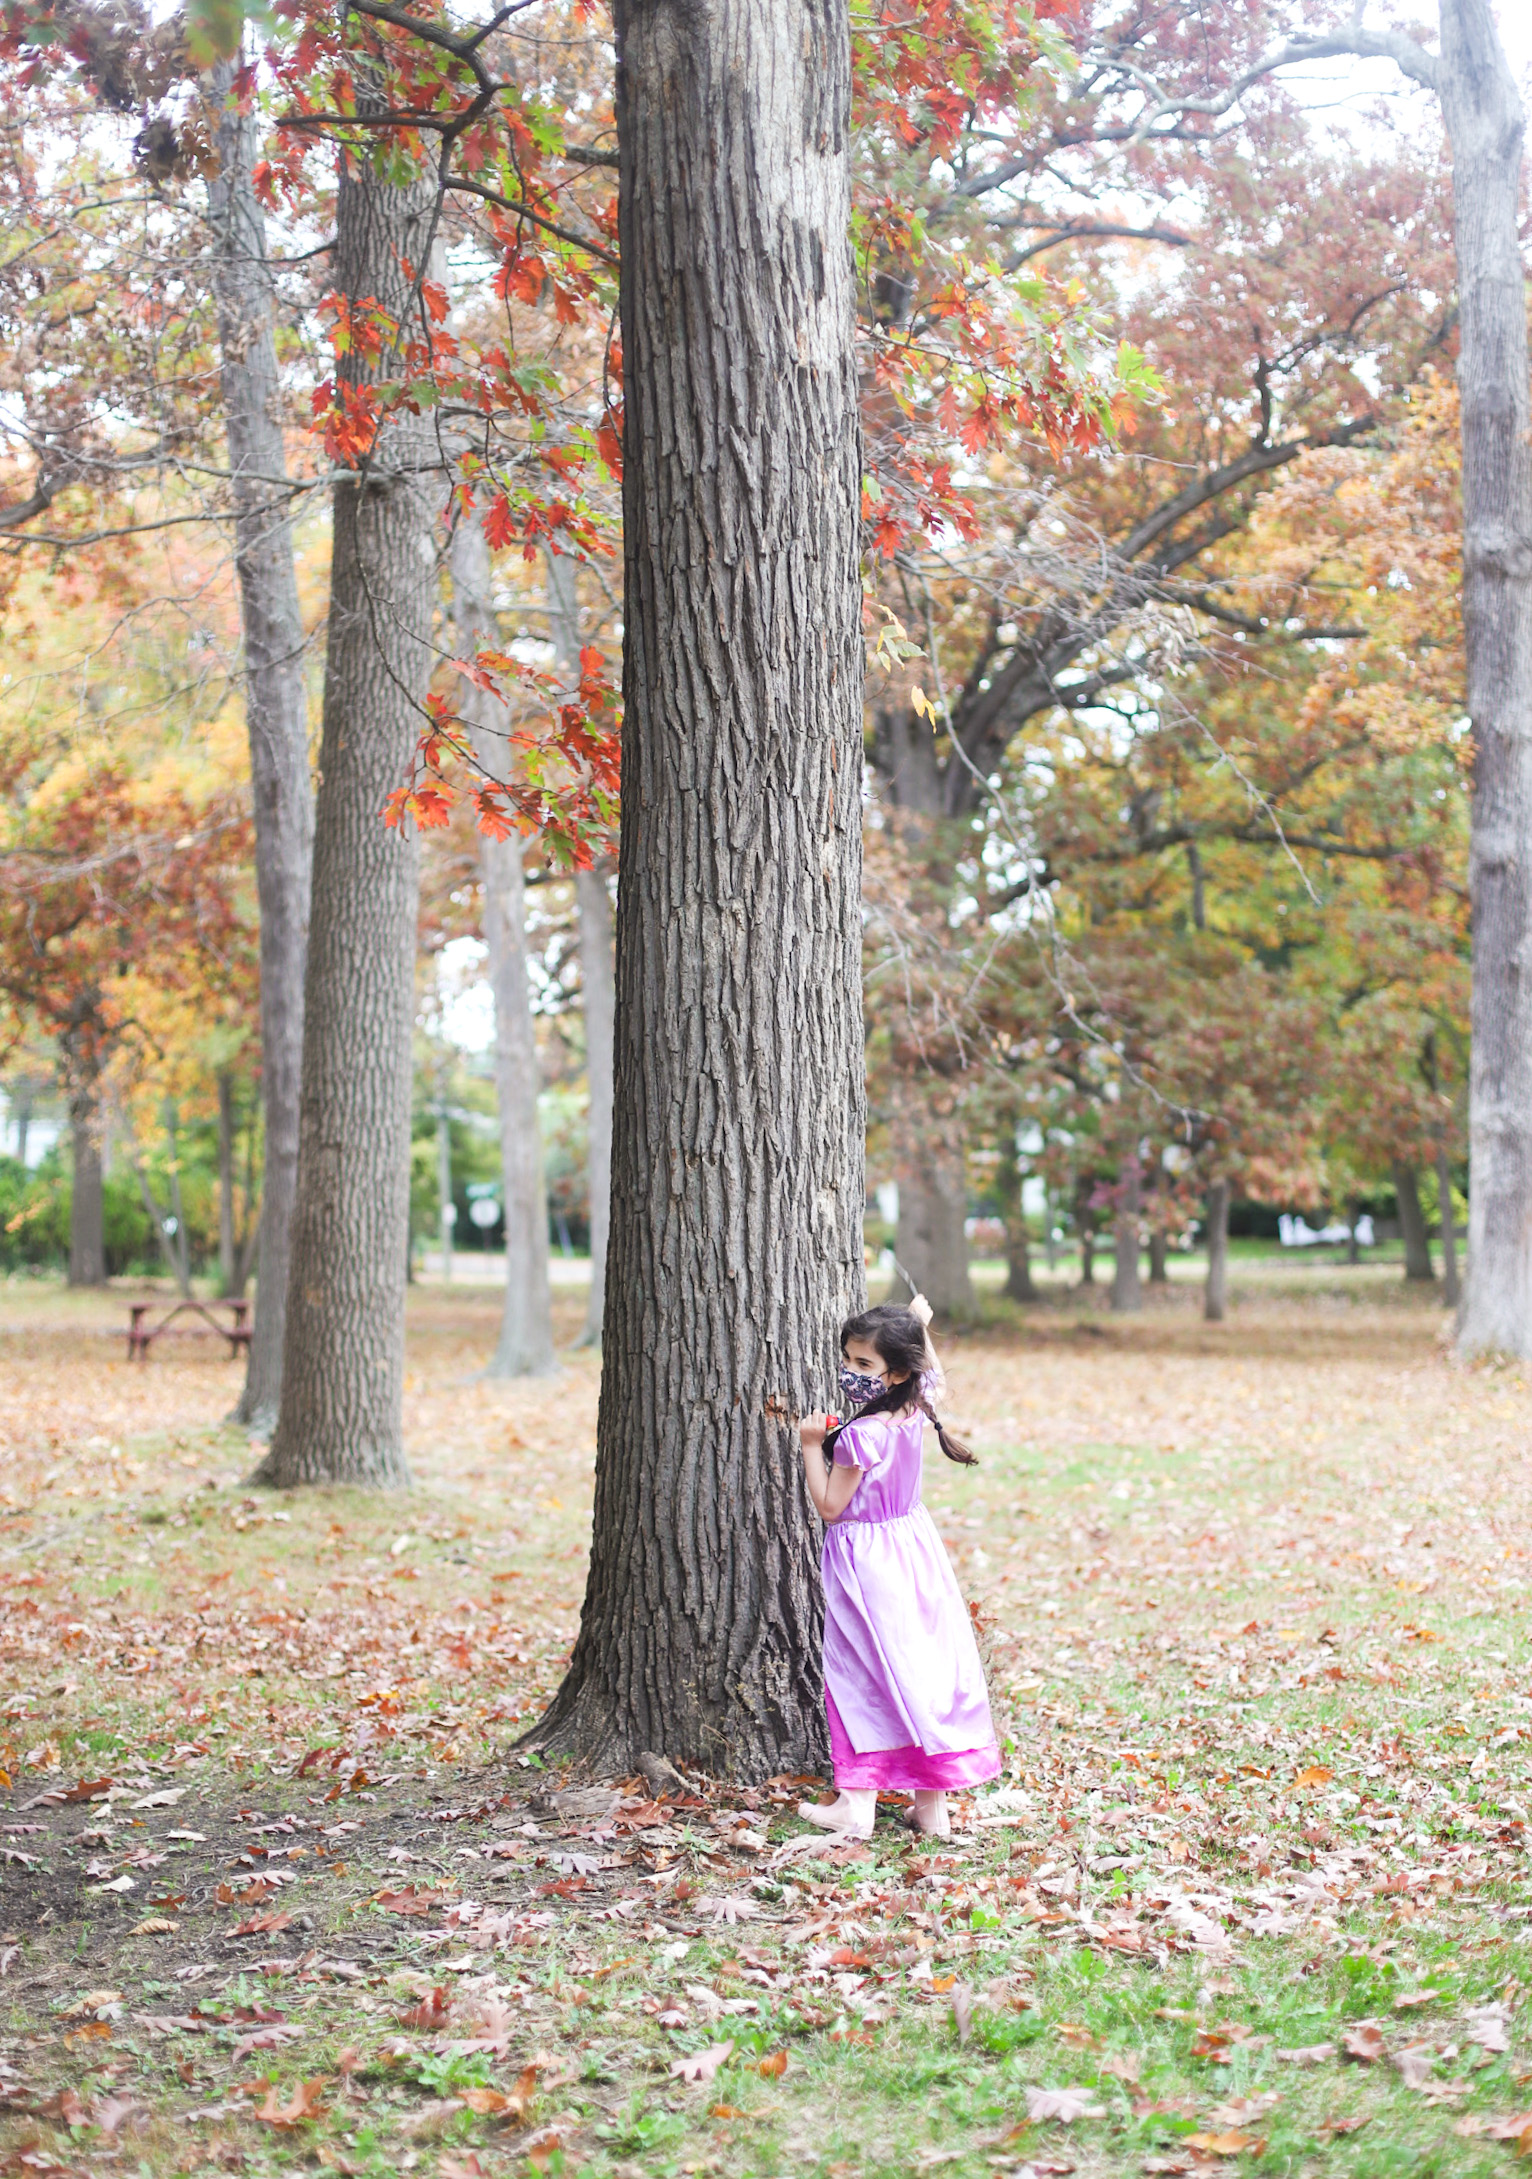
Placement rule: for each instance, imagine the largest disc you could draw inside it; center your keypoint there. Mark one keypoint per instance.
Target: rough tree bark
(1412, 1224)
(87, 1209)
(1485, 125)
(598, 991)
(276, 705)
(736, 1235)
(1215, 1298)
(1127, 1293)
(340, 1418)
(932, 1241)
(525, 1345)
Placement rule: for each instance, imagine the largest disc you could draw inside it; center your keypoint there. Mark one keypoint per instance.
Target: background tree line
(1130, 461)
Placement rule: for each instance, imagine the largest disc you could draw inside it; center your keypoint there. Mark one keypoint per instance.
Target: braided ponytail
(901, 1339)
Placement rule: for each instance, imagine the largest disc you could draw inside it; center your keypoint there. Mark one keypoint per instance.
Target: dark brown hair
(900, 1339)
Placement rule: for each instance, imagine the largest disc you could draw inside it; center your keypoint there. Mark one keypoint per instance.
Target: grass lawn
(277, 1890)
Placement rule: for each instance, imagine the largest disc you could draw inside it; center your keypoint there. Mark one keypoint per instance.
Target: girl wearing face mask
(904, 1688)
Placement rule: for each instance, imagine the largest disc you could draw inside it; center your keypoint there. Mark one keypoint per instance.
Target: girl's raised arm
(832, 1489)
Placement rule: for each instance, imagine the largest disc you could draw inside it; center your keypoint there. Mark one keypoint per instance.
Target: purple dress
(904, 1689)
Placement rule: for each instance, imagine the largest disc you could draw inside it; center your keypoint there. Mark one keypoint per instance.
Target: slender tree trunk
(343, 1368)
(1215, 1299)
(276, 705)
(1159, 1256)
(1127, 1295)
(445, 1205)
(932, 1241)
(1452, 1292)
(598, 996)
(1353, 1245)
(737, 1183)
(1412, 1224)
(1018, 1256)
(87, 1210)
(225, 1180)
(1485, 124)
(525, 1345)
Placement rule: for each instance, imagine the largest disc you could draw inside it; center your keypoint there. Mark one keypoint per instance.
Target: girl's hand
(814, 1428)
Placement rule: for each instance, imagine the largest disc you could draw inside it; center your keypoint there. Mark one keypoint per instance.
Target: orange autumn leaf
(302, 2105)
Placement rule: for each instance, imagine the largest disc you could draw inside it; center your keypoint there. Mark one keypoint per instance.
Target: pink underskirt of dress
(906, 1770)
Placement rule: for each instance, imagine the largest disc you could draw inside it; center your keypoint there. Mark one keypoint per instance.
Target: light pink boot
(929, 1816)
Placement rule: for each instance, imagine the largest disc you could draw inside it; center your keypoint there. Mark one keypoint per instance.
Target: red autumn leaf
(431, 2012)
(498, 523)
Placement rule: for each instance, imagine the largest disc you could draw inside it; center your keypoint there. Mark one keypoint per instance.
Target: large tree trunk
(1215, 1298)
(343, 1370)
(87, 1214)
(1127, 1293)
(598, 991)
(1412, 1224)
(1485, 124)
(276, 707)
(525, 1345)
(598, 999)
(736, 1237)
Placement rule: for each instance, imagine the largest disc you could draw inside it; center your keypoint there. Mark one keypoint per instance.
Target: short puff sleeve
(862, 1445)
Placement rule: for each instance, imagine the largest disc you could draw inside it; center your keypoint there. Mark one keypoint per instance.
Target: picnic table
(141, 1336)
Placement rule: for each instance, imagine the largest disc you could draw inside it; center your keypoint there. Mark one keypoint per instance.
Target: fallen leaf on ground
(701, 2065)
(1351, 2125)
(775, 2066)
(431, 2012)
(1315, 1775)
(1232, 2143)
(93, 2002)
(65, 2109)
(1063, 2104)
(1364, 2043)
(1305, 2054)
(1487, 2026)
(260, 1925)
(271, 2037)
(547, 2143)
(1416, 2062)
(112, 2113)
(303, 2104)
(408, 1901)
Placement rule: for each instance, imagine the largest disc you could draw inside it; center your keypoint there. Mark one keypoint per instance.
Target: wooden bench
(141, 1336)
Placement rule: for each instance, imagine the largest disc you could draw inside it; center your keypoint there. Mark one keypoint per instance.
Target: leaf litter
(1257, 1819)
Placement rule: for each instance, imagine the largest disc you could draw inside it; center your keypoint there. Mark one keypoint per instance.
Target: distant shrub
(34, 1218)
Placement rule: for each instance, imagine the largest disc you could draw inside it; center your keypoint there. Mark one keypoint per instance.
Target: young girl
(904, 1688)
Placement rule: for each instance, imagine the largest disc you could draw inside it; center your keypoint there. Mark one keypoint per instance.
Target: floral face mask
(857, 1389)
